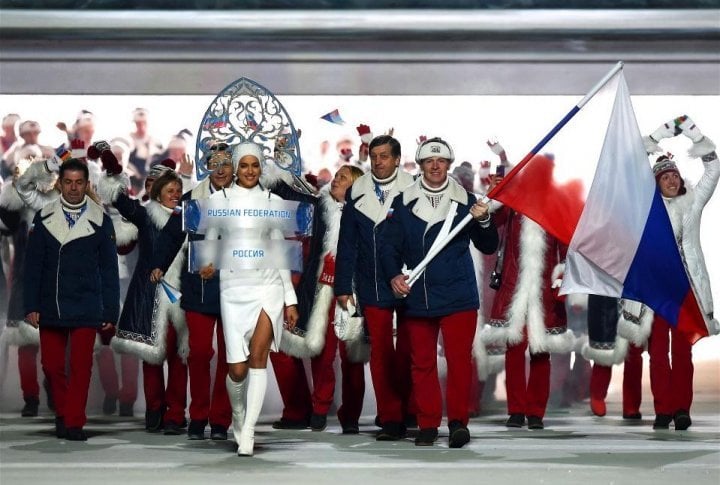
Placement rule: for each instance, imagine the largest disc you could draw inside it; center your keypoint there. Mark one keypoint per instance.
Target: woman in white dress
(255, 304)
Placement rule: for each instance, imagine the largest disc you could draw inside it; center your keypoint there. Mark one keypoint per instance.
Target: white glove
(52, 164)
(667, 130)
(690, 129)
(702, 145)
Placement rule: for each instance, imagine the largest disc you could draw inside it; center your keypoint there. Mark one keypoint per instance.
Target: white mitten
(702, 145)
(52, 164)
(689, 128)
(667, 130)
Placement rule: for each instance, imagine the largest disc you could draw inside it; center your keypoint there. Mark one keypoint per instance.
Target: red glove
(95, 150)
(366, 137)
(77, 148)
(110, 163)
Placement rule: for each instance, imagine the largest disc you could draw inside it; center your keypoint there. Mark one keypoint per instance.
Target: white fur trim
(318, 319)
(331, 213)
(125, 231)
(272, 174)
(28, 333)
(174, 313)
(607, 357)
(110, 186)
(480, 355)
(20, 335)
(526, 304)
(560, 343)
(158, 213)
(312, 343)
(152, 354)
(293, 345)
(636, 333)
(491, 335)
(496, 363)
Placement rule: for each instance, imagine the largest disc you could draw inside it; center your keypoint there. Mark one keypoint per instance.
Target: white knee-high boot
(237, 392)
(257, 383)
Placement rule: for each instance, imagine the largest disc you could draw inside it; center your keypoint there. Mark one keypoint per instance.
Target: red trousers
(323, 374)
(27, 367)
(125, 391)
(671, 384)
(389, 364)
(293, 386)
(203, 405)
(70, 392)
(632, 381)
(458, 331)
(173, 398)
(528, 397)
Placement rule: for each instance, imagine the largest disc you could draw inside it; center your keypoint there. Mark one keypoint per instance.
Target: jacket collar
(367, 203)
(424, 210)
(56, 224)
(157, 213)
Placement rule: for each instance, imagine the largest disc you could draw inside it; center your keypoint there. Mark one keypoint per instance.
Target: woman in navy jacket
(444, 298)
(151, 326)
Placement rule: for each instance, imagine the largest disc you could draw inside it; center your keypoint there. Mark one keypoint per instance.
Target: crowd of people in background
(92, 237)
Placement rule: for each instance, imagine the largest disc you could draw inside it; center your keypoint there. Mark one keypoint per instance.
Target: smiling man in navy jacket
(445, 297)
(357, 270)
(71, 290)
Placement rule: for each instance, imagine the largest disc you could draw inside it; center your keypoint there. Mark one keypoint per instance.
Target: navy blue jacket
(198, 295)
(448, 284)
(357, 265)
(137, 312)
(71, 274)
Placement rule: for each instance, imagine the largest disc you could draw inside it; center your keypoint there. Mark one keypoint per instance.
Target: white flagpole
(420, 268)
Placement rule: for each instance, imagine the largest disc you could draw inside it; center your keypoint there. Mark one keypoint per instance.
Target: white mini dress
(245, 293)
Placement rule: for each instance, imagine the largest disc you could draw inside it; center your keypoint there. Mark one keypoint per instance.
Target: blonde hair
(355, 171)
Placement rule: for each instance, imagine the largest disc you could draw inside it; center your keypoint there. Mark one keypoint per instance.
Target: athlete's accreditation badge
(327, 277)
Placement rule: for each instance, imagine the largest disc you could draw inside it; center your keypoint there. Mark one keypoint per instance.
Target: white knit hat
(247, 148)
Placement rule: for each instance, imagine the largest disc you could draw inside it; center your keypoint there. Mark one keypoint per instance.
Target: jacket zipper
(377, 291)
(427, 306)
(202, 290)
(57, 283)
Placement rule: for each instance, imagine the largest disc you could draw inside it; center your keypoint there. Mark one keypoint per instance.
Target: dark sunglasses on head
(219, 147)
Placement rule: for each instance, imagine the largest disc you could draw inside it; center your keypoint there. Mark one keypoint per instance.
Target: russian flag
(171, 292)
(597, 194)
(334, 117)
